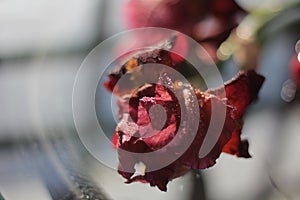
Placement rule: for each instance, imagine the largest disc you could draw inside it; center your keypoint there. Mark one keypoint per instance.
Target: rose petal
(132, 72)
(241, 90)
(191, 156)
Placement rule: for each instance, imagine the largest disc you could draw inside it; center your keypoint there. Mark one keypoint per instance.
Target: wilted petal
(236, 146)
(241, 90)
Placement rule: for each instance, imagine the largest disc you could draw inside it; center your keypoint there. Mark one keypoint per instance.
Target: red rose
(151, 118)
(143, 129)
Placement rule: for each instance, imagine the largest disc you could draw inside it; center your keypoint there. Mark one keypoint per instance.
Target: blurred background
(42, 45)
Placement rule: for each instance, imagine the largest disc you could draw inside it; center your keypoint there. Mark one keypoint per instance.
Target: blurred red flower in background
(209, 22)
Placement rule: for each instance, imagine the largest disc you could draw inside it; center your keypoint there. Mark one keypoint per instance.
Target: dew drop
(85, 196)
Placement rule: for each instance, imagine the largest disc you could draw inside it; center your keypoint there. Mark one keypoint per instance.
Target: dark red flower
(143, 129)
(151, 118)
(208, 21)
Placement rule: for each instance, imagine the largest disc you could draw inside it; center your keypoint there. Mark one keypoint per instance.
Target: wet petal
(241, 90)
